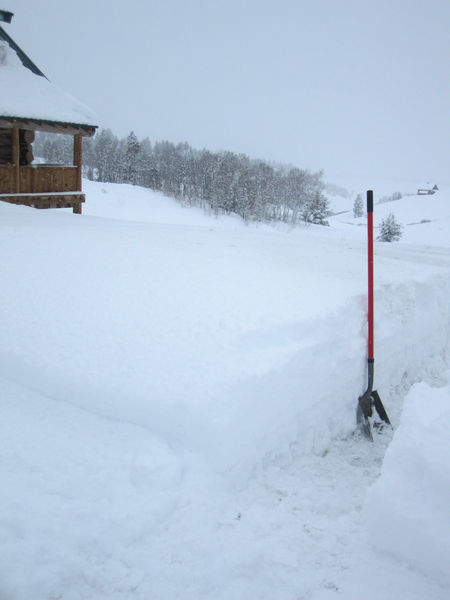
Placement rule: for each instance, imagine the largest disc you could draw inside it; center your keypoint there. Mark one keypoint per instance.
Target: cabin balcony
(38, 185)
(42, 186)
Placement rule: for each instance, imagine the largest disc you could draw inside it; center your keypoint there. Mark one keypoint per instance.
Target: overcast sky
(356, 88)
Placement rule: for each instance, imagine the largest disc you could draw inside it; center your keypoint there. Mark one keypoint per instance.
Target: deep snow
(179, 397)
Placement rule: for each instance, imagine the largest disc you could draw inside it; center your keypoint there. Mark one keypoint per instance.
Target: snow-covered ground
(178, 398)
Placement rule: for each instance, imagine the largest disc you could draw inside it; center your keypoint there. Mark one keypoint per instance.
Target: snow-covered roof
(26, 95)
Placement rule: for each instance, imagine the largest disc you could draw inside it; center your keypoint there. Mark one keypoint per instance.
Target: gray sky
(357, 88)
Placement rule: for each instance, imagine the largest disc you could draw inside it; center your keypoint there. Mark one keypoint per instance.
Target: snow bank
(408, 509)
(125, 202)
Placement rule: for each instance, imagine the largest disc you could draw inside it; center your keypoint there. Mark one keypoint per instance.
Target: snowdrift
(408, 507)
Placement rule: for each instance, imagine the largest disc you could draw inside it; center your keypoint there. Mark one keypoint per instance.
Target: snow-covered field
(178, 397)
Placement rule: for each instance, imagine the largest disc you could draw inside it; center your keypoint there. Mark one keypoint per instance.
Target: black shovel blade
(365, 415)
(363, 412)
(364, 426)
(376, 400)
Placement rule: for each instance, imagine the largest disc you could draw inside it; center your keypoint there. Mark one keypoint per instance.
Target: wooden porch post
(77, 157)
(77, 161)
(16, 158)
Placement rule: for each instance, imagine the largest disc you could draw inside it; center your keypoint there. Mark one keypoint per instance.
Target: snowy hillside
(179, 395)
(425, 219)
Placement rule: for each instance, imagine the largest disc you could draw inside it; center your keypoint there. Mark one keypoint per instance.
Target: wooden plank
(16, 158)
(73, 201)
(5, 146)
(44, 178)
(7, 181)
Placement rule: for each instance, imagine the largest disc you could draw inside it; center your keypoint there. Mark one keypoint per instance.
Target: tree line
(221, 182)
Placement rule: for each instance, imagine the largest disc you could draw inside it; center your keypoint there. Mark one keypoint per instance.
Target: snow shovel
(370, 399)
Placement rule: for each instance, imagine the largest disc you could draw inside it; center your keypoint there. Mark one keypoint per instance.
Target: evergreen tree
(390, 229)
(358, 209)
(130, 164)
(220, 181)
(316, 209)
(105, 157)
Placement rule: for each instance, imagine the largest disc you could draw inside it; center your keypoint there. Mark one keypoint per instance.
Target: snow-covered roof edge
(28, 96)
(25, 59)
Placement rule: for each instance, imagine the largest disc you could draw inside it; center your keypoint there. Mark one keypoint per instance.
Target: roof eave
(8, 122)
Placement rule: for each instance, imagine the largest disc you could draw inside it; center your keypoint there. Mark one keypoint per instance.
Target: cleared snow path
(93, 508)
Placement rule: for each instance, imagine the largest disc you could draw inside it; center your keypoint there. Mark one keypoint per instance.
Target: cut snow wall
(308, 396)
(311, 399)
(407, 510)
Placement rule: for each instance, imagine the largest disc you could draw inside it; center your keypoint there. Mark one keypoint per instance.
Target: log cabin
(29, 102)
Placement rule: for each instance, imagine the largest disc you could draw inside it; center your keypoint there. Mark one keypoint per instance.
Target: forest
(218, 182)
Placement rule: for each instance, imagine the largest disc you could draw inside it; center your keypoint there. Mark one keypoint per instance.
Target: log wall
(26, 139)
(5, 146)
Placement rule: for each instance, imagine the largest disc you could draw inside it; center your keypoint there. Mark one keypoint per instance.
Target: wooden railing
(39, 179)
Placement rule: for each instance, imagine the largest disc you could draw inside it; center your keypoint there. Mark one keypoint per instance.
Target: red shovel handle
(370, 271)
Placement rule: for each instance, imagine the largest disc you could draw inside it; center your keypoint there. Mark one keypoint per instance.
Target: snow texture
(408, 507)
(26, 95)
(178, 398)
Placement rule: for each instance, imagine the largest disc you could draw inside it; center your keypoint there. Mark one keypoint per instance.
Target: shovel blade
(365, 415)
(363, 412)
(379, 407)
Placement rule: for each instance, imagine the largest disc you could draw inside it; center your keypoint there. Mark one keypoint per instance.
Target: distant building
(29, 102)
(427, 191)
